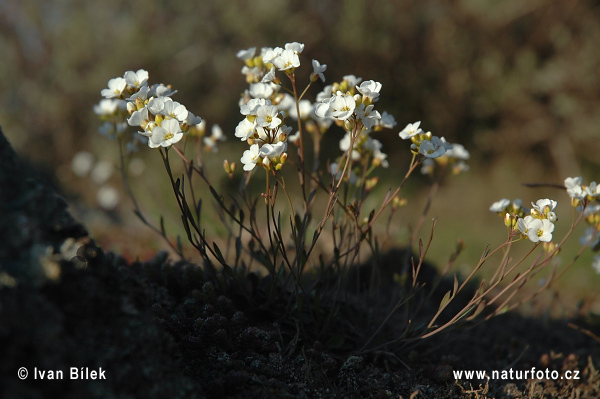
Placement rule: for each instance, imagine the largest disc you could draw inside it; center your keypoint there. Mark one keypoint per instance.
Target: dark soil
(161, 329)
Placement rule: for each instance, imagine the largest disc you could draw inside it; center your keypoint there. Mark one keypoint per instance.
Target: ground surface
(174, 330)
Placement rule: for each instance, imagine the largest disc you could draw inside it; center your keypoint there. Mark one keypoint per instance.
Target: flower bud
(508, 220)
(227, 166)
(371, 183)
(283, 158)
(131, 108)
(550, 248)
(398, 202)
(266, 163)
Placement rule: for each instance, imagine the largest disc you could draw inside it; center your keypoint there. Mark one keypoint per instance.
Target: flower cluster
(425, 144)
(349, 103)
(162, 120)
(265, 131)
(581, 194)
(536, 223)
(539, 225)
(587, 199)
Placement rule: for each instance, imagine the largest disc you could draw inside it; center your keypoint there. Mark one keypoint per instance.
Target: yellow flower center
(168, 136)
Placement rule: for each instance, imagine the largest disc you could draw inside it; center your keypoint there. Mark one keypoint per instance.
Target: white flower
(160, 90)
(268, 116)
(165, 135)
(157, 104)
(381, 157)
(253, 105)
(250, 157)
(412, 129)
(142, 94)
(192, 119)
(115, 88)
(107, 106)
(574, 189)
(246, 54)
(591, 236)
(175, 110)
(340, 106)
(269, 76)
(294, 137)
(139, 118)
(273, 150)
(306, 108)
(591, 209)
(286, 102)
(370, 90)
(216, 135)
(324, 94)
(387, 120)
(136, 79)
(261, 90)
(368, 115)
(458, 151)
(427, 166)
(434, 148)
(596, 263)
(269, 54)
(544, 208)
(536, 229)
(245, 129)
(500, 206)
(295, 47)
(288, 59)
(352, 80)
(592, 190)
(318, 70)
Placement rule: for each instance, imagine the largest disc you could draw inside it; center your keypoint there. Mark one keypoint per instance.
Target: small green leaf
(478, 310)
(502, 310)
(445, 301)
(218, 253)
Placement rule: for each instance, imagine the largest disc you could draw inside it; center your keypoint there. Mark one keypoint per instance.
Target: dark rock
(36, 230)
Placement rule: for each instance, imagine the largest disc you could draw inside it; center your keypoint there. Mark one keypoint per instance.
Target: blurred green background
(517, 82)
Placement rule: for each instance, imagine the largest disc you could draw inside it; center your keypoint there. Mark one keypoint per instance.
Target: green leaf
(478, 310)
(502, 310)
(445, 301)
(218, 253)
